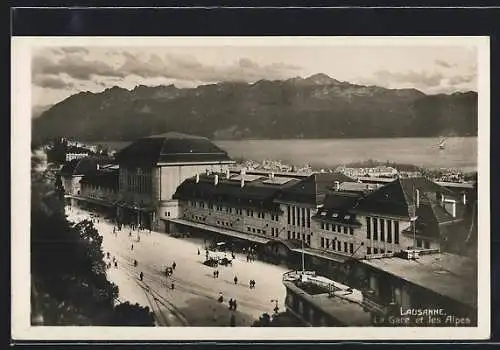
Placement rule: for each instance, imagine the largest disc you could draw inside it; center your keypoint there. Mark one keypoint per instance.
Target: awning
(94, 200)
(230, 233)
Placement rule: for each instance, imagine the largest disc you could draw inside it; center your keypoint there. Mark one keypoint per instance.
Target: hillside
(314, 107)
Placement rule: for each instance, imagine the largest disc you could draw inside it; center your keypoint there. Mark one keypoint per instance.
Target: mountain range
(314, 107)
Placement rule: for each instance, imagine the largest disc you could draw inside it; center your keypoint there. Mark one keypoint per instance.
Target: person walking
(235, 280)
(235, 305)
(198, 251)
(141, 276)
(216, 273)
(230, 303)
(221, 298)
(132, 247)
(174, 265)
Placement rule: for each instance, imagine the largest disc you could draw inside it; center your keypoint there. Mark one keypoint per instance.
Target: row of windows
(275, 217)
(297, 216)
(369, 251)
(194, 217)
(274, 232)
(138, 180)
(337, 245)
(254, 230)
(296, 235)
(386, 230)
(337, 228)
(229, 210)
(224, 223)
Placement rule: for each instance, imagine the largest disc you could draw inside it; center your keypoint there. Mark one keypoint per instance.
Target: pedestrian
(116, 264)
(132, 247)
(230, 303)
(233, 256)
(235, 280)
(253, 284)
(234, 305)
(135, 263)
(172, 285)
(130, 233)
(250, 284)
(217, 273)
(174, 265)
(114, 229)
(141, 275)
(198, 251)
(221, 298)
(248, 258)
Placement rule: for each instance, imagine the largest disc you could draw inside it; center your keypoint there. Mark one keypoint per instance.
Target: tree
(69, 284)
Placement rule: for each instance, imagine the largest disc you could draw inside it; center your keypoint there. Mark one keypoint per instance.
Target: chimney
(216, 179)
(464, 198)
(242, 181)
(337, 185)
(417, 195)
(197, 178)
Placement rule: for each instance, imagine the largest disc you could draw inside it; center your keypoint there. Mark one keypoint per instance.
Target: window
(382, 230)
(258, 230)
(253, 230)
(303, 237)
(322, 225)
(389, 231)
(396, 232)
(345, 229)
(327, 227)
(368, 229)
(389, 251)
(368, 250)
(293, 216)
(334, 228)
(345, 247)
(289, 235)
(303, 214)
(382, 251)
(288, 214)
(351, 248)
(351, 231)
(328, 243)
(218, 222)
(375, 250)
(308, 239)
(339, 246)
(427, 244)
(375, 229)
(322, 242)
(248, 228)
(419, 243)
(308, 218)
(264, 232)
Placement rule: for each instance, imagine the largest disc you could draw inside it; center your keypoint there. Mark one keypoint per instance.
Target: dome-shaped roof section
(172, 147)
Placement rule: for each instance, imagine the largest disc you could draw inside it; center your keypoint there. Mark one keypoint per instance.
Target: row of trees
(69, 284)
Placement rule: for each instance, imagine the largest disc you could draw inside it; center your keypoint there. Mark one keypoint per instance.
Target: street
(193, 300)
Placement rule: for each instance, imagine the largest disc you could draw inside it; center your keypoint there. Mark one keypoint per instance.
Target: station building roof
(171, 147)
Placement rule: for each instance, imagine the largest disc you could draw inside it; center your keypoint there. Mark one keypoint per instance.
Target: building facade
(152, 168)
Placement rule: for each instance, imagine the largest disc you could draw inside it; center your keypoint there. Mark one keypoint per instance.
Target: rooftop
(172, 147)
(256, 191)
(313, 189)
(449, 275)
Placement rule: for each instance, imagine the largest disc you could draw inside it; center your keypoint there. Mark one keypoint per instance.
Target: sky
(60, 71)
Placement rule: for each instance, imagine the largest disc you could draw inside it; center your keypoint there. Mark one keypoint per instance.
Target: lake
(460, 152)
